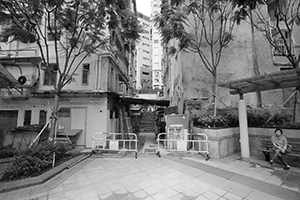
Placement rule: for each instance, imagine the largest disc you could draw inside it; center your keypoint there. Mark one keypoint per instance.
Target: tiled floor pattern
(143, 178)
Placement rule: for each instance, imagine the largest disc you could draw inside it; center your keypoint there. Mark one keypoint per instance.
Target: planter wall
(221, 142)
(225, 142)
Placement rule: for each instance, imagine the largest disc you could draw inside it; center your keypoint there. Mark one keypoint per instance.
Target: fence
(193, 143)
(115, 142)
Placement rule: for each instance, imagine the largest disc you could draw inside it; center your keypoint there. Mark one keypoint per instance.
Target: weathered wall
(236, 63)
(221, 142)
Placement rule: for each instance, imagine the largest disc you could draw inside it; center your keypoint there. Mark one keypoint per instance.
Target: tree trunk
(255, 62)
(54, 117)
(214, 90)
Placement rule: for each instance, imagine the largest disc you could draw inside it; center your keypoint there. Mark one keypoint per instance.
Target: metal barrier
(115, 142)
(193, 143)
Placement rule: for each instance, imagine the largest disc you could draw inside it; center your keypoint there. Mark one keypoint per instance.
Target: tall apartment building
(143, 55)
(157, 49)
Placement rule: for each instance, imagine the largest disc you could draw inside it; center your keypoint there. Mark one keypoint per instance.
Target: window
(155, 41)
(43, 117)
(144, 37)
(50, 78)
(146, 65)
(145, 58)
(145, 44)
(64, 112)
(27, 117)
(85, 74)
(280, 49)
(145, 51)
(145, 73)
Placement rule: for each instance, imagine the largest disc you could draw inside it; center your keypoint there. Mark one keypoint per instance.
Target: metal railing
(184, 142)
(115, 142)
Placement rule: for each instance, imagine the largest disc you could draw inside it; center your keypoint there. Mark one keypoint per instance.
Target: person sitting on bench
(280, 145)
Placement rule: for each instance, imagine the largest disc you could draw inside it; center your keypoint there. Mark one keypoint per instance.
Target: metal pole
(280, 108)
(243, 124)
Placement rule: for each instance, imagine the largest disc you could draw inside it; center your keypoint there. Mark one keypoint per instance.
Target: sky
(144, 7)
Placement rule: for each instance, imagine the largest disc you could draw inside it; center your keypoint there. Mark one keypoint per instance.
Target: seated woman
(280, 145)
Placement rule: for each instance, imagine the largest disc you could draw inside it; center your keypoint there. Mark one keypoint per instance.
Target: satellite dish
(22, 80)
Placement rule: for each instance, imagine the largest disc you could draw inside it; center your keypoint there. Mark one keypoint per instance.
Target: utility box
(176, 119)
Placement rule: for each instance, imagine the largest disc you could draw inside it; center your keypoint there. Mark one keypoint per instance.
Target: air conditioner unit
(28, 80)
(122, 88)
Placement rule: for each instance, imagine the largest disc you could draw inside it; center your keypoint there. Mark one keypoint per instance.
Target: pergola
(270, 81)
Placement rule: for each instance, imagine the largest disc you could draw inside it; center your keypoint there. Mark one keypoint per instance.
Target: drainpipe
(243, 124)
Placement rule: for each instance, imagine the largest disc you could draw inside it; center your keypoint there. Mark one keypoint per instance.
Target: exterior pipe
(243, 124)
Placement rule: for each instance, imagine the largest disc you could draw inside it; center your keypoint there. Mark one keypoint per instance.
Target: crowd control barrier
(115, 142)
(193, 143)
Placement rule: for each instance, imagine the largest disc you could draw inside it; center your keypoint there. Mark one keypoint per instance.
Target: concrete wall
(225, 142)
(236, 63)
(221, 142)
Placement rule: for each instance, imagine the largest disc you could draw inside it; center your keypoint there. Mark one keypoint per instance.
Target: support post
(244, 136)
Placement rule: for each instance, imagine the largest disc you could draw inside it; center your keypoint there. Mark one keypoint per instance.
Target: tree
(245, 9)
(277, 25)
(77, 28)
(202, 27)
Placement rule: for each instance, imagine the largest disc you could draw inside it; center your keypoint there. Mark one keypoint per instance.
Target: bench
(266, 147)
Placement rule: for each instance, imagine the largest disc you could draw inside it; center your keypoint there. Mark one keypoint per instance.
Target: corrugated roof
(271, 81)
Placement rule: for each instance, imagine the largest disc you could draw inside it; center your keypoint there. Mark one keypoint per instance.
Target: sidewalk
(171, 177)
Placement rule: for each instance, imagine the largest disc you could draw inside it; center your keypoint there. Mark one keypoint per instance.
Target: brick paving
(169, 177)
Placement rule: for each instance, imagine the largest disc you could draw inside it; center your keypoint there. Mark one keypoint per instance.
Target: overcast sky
(144, 7)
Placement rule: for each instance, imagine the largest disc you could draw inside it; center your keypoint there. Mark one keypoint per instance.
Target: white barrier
(115, 142)
(194, 143)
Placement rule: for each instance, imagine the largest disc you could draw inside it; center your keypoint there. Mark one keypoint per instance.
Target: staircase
(147, 123)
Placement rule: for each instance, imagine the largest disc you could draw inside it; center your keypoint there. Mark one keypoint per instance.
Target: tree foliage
(277, 24)
(67, 32)
(203, 27)
(78, 28)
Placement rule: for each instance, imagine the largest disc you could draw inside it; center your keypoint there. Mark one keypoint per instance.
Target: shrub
(7, 152)
(34, 161)
(218, 121)
(23, 166)
(257, 117)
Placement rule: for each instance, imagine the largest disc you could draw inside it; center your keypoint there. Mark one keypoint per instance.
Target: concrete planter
(222, 142)
(225, 141)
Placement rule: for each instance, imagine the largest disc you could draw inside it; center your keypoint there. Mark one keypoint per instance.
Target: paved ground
(169, 177)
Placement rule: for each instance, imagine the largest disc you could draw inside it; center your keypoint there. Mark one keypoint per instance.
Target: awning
(271, 81)
(7, 80)
(133, 100)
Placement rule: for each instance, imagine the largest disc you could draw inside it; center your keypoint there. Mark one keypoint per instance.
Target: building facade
(89, 101)
(144, 55)
(186, 78)
(157, 49)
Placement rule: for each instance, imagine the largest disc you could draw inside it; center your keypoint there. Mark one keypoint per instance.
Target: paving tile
(211, 179)
(210, 195)
(201, 198)
(140, 194)
(231, 196)
(177, 197)
(152, 190)
(258, 195)
(159, 196)
(218, 191)
(190, 193)
(170, 192)
(235, 188)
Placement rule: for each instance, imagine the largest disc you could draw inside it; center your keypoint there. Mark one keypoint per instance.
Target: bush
(34, 161)
(7, 152)
(226, 120)
(25, 166)
(257, 117)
